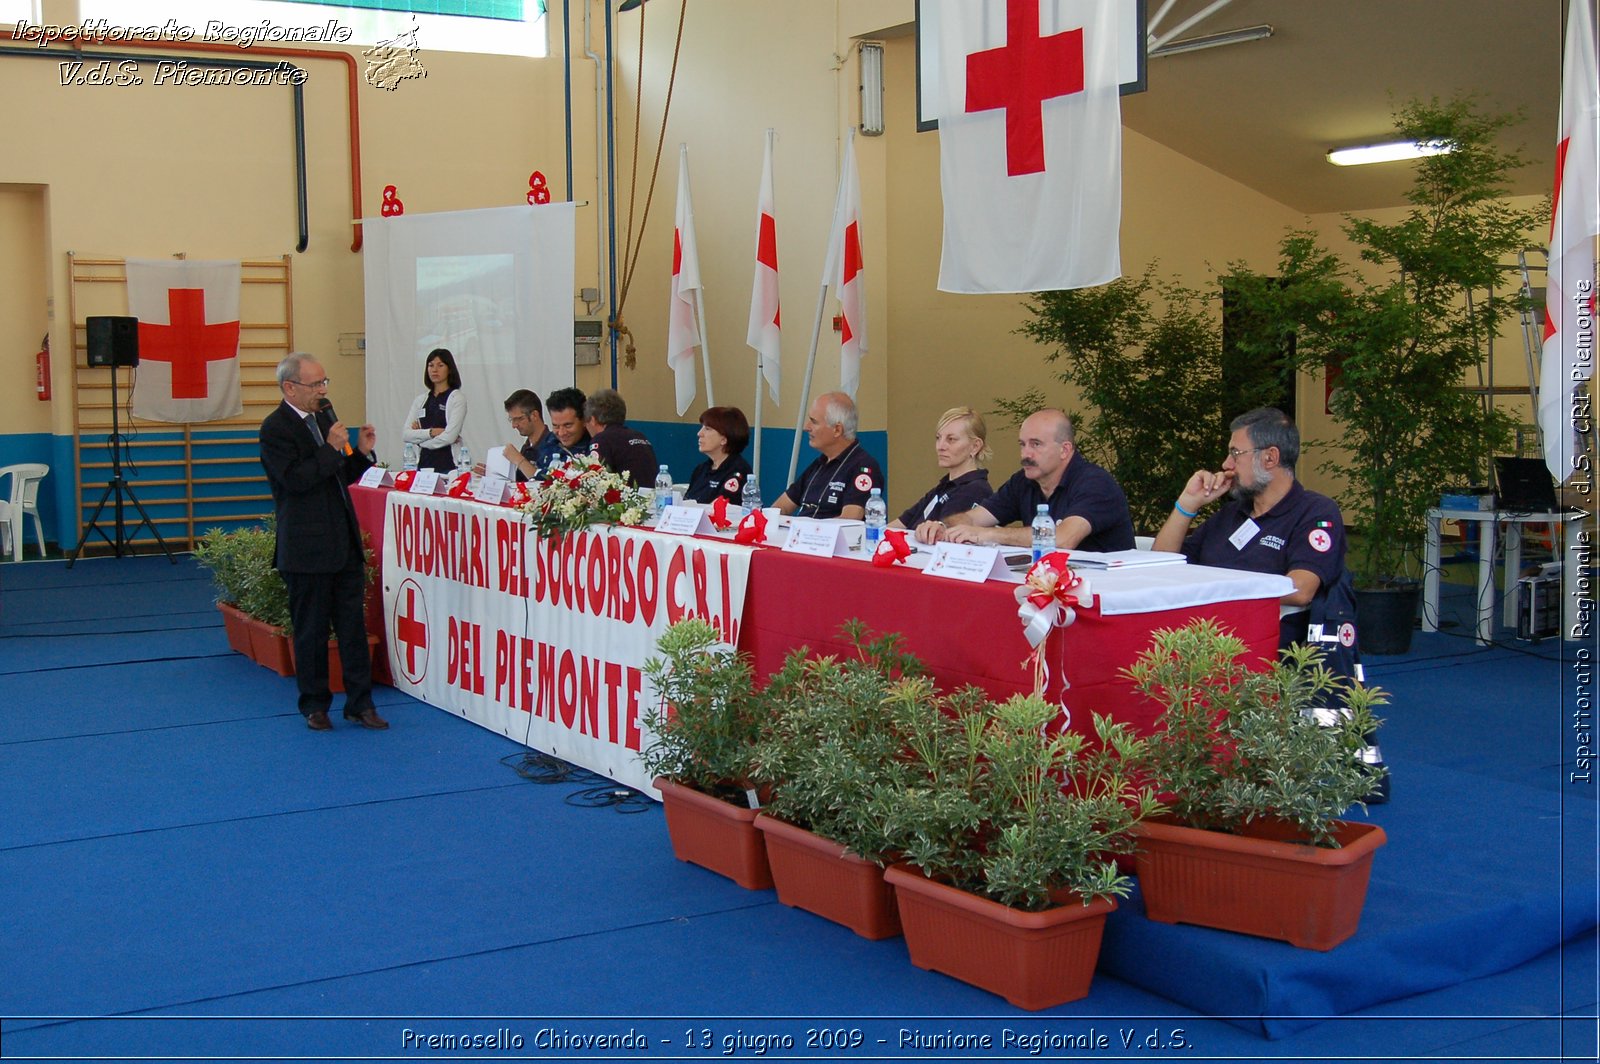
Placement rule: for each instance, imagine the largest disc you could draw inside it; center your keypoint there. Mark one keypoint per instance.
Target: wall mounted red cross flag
(188, 315)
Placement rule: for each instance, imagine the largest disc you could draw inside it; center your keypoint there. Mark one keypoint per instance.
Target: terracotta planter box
(1258, 883)
(1033, 960)
(820, 876)
(270, 647)
(336, 664)
(715, 835)
(236, 627)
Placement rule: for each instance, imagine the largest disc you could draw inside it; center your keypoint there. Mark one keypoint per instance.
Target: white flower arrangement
(581, 492)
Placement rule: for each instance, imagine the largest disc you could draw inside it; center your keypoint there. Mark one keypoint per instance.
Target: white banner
(544, 640)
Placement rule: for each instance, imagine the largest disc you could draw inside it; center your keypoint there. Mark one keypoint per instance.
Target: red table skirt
(964, 633)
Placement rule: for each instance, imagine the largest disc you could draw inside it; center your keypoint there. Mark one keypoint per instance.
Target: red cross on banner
(763, 332)
(411, 632)
(188, 343)
(1019, 76)
(188, 315)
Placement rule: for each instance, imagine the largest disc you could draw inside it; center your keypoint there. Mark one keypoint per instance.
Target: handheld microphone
(325, 406)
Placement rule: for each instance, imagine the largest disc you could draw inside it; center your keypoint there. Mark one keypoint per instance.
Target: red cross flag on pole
(188, 315)
(684, 332)
(1030, 144)
(764, 333)
(843, 270)
(1567, 361)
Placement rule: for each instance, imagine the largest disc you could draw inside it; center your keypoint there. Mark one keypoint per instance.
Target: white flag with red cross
(843, 270)
(764, 332)
(1030, 144)
(188, 315)
(683, 332)
(1568, 355)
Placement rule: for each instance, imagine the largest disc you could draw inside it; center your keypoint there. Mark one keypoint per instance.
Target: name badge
(377, 477)
(684, 521)
(1244, 534)
(492, 489)
(820, 539)
(426, 482)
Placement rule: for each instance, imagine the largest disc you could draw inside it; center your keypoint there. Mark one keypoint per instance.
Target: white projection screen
(494, 286)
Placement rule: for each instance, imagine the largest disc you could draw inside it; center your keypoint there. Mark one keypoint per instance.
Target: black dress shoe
(318, 721)
(367, 718)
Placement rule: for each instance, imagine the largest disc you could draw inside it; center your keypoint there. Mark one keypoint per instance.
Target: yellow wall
(150, 171)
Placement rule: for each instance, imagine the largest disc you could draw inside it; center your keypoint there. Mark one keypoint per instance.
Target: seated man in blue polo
(838, 483)
(1086, 502)
(539, 445)
(1272, 524)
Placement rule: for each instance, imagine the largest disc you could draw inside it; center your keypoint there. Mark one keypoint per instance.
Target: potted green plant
(254, 600)
(1402, 329)
(829, 738)
(704, 726)
(1010, 833)
(242, 567)
(1256, 769)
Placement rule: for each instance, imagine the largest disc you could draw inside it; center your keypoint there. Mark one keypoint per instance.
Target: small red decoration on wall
(538, 188)
(392, 207)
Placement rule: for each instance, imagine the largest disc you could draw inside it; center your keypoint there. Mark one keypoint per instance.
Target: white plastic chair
(22, 502)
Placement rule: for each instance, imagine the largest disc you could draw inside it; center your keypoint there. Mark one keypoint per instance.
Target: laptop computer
(1525, 486)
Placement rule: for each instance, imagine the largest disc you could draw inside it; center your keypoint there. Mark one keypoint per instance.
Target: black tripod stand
(118, 488)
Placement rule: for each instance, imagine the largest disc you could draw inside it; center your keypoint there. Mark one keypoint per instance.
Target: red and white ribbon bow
(1045, 600)
(753, 529)
(892, 549)
(461, 487)
(719, 514)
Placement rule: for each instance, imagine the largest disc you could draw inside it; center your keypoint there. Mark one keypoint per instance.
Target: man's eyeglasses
(313, 384)
(1235, 452)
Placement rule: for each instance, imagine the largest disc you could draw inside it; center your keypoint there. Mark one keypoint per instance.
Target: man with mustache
(1274, 525)
(1086, 502)
(1271, 525)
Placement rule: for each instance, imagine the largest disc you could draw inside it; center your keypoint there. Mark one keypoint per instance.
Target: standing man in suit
(310, 458)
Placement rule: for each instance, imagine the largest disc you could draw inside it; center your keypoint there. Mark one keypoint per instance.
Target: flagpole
(760, 380)
(705, 351)
(829, 268)
(761, 357)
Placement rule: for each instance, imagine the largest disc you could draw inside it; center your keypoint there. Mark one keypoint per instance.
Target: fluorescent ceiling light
(1388, 153)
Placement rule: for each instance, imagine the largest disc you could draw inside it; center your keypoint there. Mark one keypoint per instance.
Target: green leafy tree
(1405, 339)
(1146, 359)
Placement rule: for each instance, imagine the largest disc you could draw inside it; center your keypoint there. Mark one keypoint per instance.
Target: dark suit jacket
(317, 529)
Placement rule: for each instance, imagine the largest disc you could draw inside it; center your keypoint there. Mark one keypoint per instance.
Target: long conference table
(515, 677)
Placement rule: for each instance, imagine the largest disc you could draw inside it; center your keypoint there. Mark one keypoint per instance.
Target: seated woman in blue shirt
(960, 442)
(723, 435)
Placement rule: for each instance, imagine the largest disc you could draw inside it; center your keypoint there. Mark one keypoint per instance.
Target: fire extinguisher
(42, 376)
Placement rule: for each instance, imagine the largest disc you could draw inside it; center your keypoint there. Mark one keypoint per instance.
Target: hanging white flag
(1030, 144)
(188, 313)
(763, 334)
(1568, 356)
(683, 334)
(843, 271)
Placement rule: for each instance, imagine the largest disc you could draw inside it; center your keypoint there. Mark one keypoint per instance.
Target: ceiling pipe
(262, 49)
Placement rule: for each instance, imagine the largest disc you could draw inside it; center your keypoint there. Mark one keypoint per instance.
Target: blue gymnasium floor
(187, 872)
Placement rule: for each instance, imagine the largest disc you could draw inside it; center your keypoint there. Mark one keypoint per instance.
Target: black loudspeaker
(112, 341)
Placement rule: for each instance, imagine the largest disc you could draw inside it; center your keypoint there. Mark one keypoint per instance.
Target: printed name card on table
(492, 489)
(427, 483)
(377, 477)
(820, 539)
(684, 521)
(967, 561)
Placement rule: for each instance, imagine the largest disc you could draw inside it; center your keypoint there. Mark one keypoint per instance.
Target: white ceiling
(1266, 112)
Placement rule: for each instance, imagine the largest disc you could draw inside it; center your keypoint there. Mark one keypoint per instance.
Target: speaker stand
(119, 489)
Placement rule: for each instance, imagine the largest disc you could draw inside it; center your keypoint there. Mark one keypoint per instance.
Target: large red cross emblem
(188, 343)
(1019, 76)
(411, 630)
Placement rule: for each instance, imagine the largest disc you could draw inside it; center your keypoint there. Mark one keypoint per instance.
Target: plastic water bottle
(750, 494)
(663, 496)
(411, 456)
(1044, 532)
(463, 455)
(877, 518)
